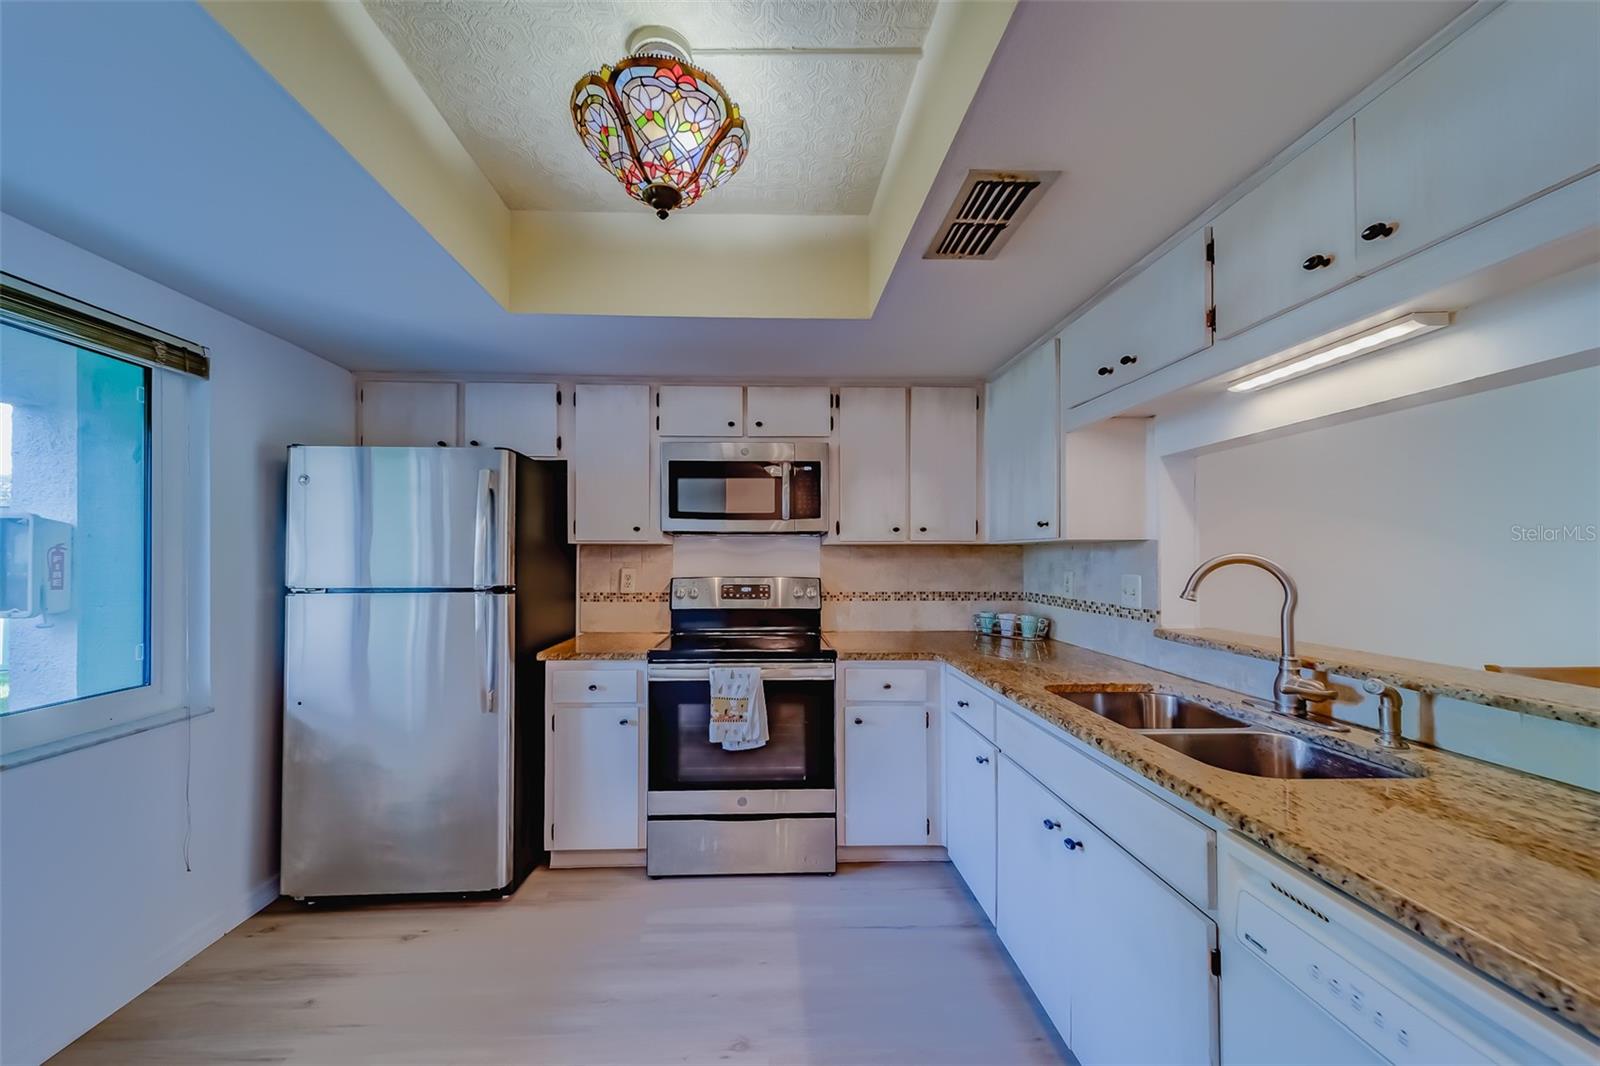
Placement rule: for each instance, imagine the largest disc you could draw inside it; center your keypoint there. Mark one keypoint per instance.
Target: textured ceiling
(821, 84)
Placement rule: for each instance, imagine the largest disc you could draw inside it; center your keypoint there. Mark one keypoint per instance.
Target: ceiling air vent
(990, 204)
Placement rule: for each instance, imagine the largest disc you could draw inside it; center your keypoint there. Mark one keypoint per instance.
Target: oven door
(792, 773)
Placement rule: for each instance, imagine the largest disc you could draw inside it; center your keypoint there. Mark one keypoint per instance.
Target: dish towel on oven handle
(738, 708)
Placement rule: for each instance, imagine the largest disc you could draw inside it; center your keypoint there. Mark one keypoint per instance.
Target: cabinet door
(611, 463)
(1290, 239)
(1020, 449)
(1034, 895)
(594, 768)
(511, 415)
(1150, 321)
(1134, 931)
(1502, 113)
(944, 464)
(789, 410)
(885, 774)
(408, 413)
(969, 808)
(872, 464)
(701, 410)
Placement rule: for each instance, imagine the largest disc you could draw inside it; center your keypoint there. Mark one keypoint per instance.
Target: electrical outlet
(627, 579)
(1132, 594)
(1066, 584)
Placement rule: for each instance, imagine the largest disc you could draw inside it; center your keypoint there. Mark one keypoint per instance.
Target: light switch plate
(1132, 594)
(1066, 584)
(628, 580)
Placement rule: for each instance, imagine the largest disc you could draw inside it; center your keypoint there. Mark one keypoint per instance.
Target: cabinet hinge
(927, 719)
(658, 420)
(1211, 318)
(830, 423)
(928, 823)
(552, 830)
(1216, 962)
(361, 394)
(558, 397)
(836, 526)
(574, 397)
(558, 442)
(977, 401)
(658, 401)
(1211, 250)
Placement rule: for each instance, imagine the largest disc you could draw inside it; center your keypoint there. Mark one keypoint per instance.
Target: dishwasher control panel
(1392, 1026)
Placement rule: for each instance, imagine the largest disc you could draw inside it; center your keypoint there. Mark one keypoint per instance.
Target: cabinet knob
(636, 529)
(962, 703)
(858, 721)
(441, 444)
(922, 529)
(1128, 360)
(1103, 371)
(1317, 262)
(759, 423)
(887, 686)
(624, 721)
(894, 529)
(474, 443)
(981, 759)
(730, 425)
(594, 688)
(1042, 524)
(1072, 845)
(1051, 823)
(1378, 231)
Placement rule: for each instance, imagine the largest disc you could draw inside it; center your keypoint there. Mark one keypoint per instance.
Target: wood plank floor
(889, 963)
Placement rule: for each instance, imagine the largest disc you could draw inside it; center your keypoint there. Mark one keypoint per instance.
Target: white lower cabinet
(886, 775)
(593, 767)
(1034, 890)
(969, 825)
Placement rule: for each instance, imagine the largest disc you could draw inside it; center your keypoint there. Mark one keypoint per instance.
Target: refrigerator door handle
(483, 531)
(484, 610)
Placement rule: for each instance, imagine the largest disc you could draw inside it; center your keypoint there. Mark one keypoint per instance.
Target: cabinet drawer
(614, 685)
(968, 702)
(893, 684)
(1173, 845)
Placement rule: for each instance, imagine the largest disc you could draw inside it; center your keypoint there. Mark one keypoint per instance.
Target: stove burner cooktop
(747, 644)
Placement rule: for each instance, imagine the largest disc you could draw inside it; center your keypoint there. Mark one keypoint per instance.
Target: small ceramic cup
(1007, 623)
(1029, 625)
(983, 621)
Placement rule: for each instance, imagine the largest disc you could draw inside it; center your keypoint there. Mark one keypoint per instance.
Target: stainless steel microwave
(744, 487)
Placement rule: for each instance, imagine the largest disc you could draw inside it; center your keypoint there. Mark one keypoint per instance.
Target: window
(98, 509)
(74, 523)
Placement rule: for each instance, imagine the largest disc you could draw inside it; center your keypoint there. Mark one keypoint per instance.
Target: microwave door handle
(784, 491)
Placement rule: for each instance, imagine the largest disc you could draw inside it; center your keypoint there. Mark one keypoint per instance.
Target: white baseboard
(912, 853)
(157, 965)
(579, 860)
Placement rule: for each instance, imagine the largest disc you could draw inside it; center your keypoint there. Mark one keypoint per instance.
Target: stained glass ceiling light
(658, 124)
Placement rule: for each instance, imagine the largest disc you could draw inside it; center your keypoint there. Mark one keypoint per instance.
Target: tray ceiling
(822, 84)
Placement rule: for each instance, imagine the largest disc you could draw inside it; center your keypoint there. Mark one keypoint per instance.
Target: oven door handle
(770, 671)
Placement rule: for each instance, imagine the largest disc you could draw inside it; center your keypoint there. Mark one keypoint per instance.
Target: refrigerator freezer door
(398, 734)
(399, 518)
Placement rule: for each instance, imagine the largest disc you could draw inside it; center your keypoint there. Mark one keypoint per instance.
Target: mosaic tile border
(623, 597)
(921, 596)
(1110, 610)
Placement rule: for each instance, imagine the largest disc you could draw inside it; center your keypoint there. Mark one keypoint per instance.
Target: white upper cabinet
(1152, 320)
(1020, 449)
(872, 469)
(1290, 239)
(1103, 481)
(944, 464)
(1501, 114)
(610, 471)
(700, 410)
(510, 415)
(408, 413)
(789, 411)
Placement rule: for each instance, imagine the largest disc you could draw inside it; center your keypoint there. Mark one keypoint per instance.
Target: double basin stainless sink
(1216, 739)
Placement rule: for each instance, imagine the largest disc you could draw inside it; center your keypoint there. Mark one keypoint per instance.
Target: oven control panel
(704, 592)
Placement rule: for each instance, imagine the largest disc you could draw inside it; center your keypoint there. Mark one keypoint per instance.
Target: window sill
(40, 752)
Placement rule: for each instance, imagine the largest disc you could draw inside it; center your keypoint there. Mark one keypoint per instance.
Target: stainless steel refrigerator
(422, 582)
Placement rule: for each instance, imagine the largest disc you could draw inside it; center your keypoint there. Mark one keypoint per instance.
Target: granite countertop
(1577, 704)
(1496, 867)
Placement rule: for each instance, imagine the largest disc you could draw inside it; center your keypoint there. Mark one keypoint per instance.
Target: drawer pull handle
(1073, 845)
(1317, 262)
(624, 721)
(858, 721)
(962, 703)
(887, 685)
(1042, 523)
(1128, 360)
(981, 759)
(1050, 823)
(1103, 371)
(1378, 231)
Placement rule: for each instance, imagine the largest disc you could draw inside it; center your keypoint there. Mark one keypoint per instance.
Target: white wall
(1417, 532)
(95, 902)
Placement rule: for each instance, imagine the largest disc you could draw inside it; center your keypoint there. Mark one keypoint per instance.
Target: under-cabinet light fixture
(1380, 336)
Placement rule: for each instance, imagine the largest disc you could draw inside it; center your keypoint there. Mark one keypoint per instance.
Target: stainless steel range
(766, 810)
